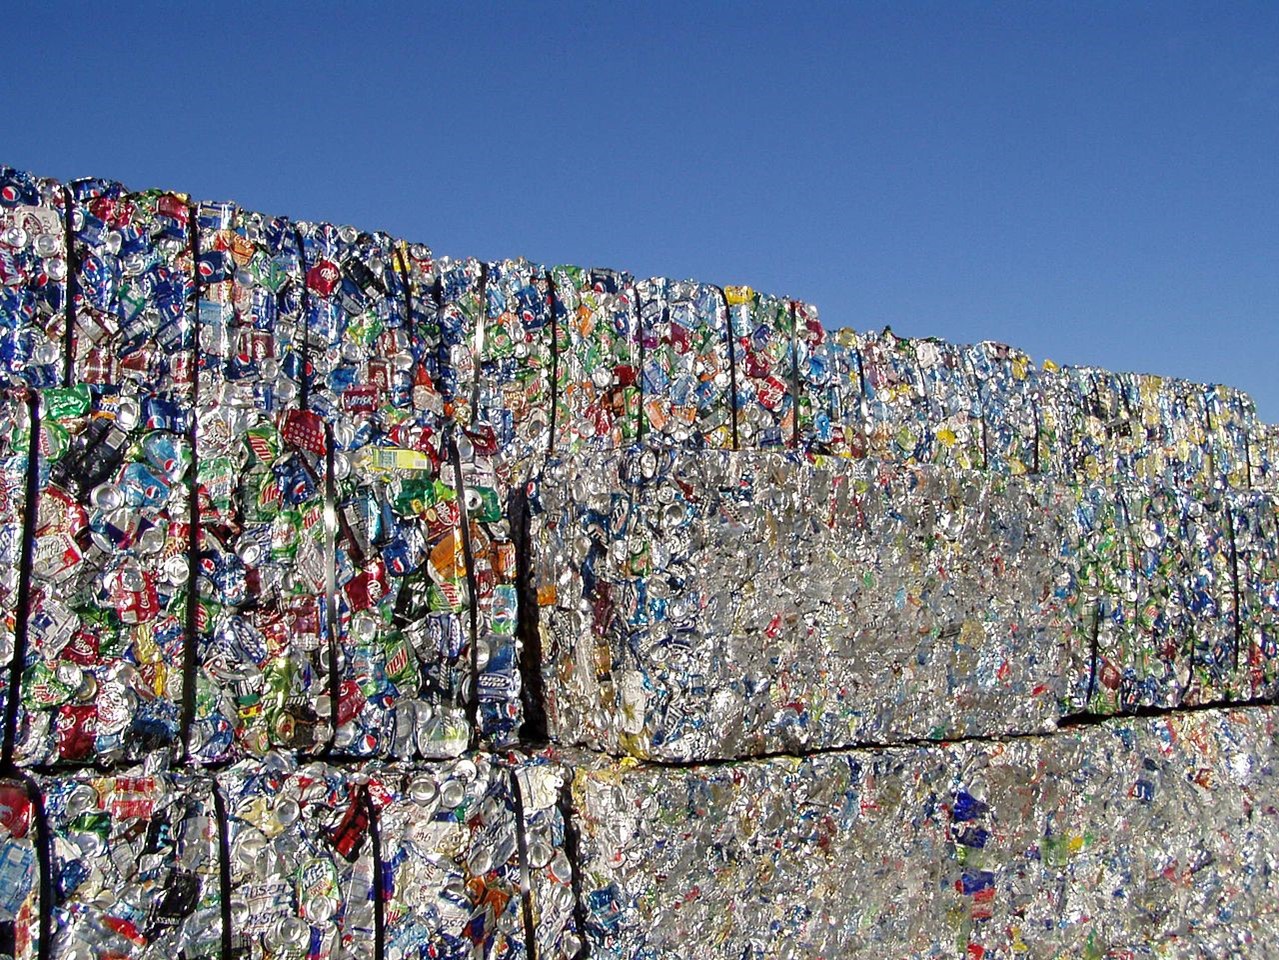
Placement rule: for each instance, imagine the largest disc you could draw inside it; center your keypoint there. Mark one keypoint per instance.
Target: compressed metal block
(106, 618)
(35, 220)
(1155, 836)
(710, 605)
(135, 865)
(685, 389)
(597, 315)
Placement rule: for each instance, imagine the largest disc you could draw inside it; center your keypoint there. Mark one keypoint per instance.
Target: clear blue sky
(1093, 182)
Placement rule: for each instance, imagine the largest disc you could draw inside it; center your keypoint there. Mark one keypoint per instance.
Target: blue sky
(1095, 183)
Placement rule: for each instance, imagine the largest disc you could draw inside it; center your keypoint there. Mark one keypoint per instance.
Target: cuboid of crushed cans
(323, 558)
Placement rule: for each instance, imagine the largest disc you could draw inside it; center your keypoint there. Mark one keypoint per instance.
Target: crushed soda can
(1039, 846)
(686, 389)
(597, 329)
(20, 907)
(103, 677)
(135, 863)
(34, 272)
(301, 858)
(684, 594)
(762, 331)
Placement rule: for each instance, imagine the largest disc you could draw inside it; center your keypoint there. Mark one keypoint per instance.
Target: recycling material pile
(365, 603)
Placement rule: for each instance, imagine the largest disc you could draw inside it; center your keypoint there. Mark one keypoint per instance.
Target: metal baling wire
(572, 851)
(305, 304)
(1035, 398)
(224, 870)
(331, 588)
(330, 508)
(553, 303)
(477, 344)
(978, 380)
(1130, 535)
(1228, 509)
(379, 876)
(794, 353)
(521, 849)
(468, 555)
(732, 361)
(863, 401)
(73, 287)
(43, 843)
(639, 363)
(473, 702)
(190, 638)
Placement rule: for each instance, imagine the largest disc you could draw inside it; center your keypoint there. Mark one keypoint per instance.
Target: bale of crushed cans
(135, 865)
(708, 605)
(1143, 837)
(281, 503)
(278, 857)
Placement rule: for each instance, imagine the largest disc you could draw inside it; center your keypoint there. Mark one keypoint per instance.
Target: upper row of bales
(151, 297)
